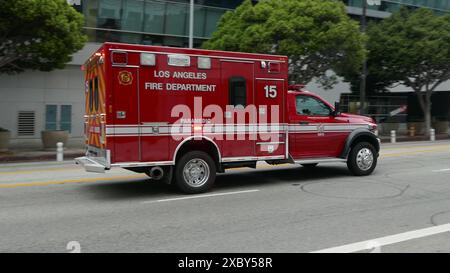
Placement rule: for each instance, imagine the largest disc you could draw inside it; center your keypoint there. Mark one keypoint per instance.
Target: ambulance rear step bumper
(90, 165)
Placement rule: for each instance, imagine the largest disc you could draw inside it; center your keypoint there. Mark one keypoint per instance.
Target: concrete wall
(31, 91)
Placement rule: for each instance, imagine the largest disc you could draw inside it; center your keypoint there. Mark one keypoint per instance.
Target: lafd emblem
(320, 130)
(125, 78)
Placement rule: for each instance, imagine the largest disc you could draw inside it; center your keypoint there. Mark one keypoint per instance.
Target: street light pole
(362, 90)
(191, 24)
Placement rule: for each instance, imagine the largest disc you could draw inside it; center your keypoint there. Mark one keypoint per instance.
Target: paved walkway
(402, 138)
(30, 155)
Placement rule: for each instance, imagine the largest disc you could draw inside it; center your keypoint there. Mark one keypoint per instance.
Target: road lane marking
(442, 170)
(199, 196)
(67, 181)
(387, 240)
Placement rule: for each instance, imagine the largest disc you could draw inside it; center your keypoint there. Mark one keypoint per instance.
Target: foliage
(38, 34)
(412, 47)
(317, 36)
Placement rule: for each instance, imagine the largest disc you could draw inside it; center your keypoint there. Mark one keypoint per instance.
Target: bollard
(432, 135)
(393, 137)
(59, 151)
(412, 131)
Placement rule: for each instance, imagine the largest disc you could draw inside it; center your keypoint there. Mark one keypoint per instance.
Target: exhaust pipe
(156, 173)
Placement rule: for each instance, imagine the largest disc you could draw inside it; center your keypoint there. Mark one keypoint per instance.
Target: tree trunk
(427, 115)
(424, 99)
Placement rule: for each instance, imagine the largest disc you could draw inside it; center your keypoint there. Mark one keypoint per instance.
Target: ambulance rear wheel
(195, 172)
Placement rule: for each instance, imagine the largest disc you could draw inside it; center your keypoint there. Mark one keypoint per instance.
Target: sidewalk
(22, 155)
(405, 138)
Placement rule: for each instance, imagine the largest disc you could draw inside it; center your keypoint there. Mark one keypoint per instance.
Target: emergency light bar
(178, 60)
(148, 59)
(204, 63)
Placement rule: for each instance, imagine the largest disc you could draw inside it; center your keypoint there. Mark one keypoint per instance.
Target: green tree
(376, 81)
(38, 34)
(317, 36)
(411, 48)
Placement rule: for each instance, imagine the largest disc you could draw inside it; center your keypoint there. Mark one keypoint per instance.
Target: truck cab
(319, 133)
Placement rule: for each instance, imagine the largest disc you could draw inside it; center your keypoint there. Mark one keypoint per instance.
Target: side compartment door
(126, 119)
(269, 101)
(237, 80)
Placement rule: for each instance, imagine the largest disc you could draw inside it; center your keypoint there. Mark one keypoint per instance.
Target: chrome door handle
(121, 114)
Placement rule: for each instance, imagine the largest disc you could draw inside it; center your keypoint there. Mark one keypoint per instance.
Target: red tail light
(119, 58)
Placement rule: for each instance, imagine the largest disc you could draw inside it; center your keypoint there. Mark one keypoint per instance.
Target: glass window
(212, 18)
(96, 94)
(91, 95)
(237, 91)
(64, 122)
(132, 15)
(154, 17)
(109, 9)
(310, 106)
(176, 19)
(199, 21)
(50, 117)
(66, 118)
(443, 4)
(109, 14)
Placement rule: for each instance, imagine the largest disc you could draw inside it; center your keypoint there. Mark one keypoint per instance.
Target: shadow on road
(234, 180)
(293, 175)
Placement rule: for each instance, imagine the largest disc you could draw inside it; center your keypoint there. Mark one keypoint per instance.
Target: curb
(386, 139)
(49, 157)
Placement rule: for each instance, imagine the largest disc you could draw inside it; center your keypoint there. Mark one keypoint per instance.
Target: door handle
(121, 114)
(304, 122)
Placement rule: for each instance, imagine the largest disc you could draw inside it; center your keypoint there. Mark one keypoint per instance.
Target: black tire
(352, 160)
(310, 165)
(201, 160)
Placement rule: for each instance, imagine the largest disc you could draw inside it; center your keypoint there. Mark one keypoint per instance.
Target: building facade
(35, 101)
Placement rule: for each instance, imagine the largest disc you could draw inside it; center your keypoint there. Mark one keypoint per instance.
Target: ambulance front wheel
(362, 159)
(195, 172)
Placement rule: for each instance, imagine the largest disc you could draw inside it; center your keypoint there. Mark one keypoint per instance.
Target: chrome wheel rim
(196, 172)
(364, 159)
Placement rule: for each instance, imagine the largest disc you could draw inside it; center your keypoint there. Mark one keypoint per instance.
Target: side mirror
(337, 110)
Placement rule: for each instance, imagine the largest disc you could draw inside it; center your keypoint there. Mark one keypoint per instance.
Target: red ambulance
(183, 115)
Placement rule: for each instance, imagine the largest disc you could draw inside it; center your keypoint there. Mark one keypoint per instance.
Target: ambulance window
(96, 98)
(310, 106)
(237, 91)
(91, 97)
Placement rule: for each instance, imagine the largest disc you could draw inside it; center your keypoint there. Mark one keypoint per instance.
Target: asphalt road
(403, 207)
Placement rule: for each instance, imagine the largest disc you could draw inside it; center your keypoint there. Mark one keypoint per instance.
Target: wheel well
(366, 138)
(199, 145)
